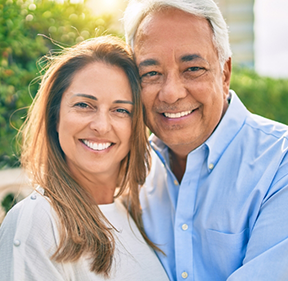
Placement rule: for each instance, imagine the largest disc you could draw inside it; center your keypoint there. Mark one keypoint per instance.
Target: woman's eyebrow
(123, 101)
(94, 98)
(85, 96)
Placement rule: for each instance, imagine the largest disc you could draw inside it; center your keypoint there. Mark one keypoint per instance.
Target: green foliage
(262, 95)
(25, 29)
(8, 202)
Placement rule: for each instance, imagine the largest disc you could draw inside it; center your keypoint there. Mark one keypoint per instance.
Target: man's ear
(226, 76)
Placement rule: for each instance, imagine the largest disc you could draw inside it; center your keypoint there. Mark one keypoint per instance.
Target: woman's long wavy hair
(83, 228)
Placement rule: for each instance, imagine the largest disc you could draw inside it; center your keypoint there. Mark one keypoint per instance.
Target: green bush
(8, 202)
(25, 29)
(262, 95)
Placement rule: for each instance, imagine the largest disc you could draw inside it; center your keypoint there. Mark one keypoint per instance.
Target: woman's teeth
(97, 146)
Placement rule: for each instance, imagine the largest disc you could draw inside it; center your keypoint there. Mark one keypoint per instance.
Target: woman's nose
(101, 123)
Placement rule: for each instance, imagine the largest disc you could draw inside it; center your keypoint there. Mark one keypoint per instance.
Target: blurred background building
(258, 34)
(239, 15)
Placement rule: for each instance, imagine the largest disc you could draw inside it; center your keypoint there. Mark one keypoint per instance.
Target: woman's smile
(97, 145)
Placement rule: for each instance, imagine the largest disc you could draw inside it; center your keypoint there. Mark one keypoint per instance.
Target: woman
(83, 142)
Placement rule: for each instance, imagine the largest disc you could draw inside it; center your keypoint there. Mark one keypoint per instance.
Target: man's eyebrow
(123, 101)
(187, 58)
(85, 96)
(148, 62)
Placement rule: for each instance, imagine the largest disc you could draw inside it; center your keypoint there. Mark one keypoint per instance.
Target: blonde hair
(83, 228)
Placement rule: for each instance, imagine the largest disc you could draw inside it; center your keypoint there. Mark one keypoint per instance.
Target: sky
(271, 32)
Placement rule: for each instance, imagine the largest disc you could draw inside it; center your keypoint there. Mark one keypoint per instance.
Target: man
(216, 199)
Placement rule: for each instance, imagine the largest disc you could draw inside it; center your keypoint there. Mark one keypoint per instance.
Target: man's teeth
(97, 146)
(177, 115)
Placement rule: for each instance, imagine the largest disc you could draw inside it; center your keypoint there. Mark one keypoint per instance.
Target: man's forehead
(155, 56)
(182, 38)
(166, 16)
(161, 25)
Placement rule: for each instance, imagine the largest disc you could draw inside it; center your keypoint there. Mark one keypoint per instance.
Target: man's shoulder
(239, 119)
(266, 126)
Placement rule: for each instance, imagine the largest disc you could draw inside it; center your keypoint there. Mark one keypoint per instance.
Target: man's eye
(149, 74)
(152, 73)
(194, 72)
(151, 77)
(195, 68)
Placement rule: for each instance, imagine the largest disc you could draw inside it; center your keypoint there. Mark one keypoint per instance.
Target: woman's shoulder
(28, 238)
(30, 206)
(31, 214)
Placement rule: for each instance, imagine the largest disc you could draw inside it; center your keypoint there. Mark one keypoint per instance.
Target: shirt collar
(227, 129)
(159, 147)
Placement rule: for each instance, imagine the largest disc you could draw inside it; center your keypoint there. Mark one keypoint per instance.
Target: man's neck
(177, 165)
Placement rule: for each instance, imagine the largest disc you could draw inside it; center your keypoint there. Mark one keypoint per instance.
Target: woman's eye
(123, 111)
(81, 105)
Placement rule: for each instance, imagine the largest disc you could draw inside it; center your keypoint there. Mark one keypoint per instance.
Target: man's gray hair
(138, 9)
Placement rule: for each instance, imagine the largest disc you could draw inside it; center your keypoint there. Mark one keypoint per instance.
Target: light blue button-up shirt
(228, 219)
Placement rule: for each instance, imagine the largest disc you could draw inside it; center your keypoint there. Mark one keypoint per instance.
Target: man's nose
(101, 122)
(172, 89)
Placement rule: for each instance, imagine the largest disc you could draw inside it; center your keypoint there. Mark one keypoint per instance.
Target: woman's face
(95, 121)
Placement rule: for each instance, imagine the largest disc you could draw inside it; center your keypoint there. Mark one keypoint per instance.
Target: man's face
(184, 91)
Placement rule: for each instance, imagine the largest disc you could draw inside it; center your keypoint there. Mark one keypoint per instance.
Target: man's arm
(267, 249)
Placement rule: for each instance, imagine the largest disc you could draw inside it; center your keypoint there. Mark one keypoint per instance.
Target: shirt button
(17, 243)
(211, 166)
(33, 197)
(184, 275)
(175, 182)
(184, 226)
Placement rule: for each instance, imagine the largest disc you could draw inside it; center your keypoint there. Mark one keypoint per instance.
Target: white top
(29, 236)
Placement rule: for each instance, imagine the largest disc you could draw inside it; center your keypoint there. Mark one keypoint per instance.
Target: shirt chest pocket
(226, 251)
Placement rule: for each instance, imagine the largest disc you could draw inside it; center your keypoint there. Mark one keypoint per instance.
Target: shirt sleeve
(28, 238)
(266, 256)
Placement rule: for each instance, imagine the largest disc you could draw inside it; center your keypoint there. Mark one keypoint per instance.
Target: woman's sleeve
(28, 238)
